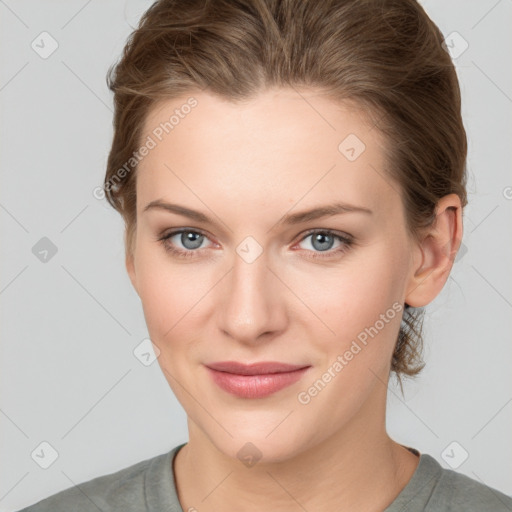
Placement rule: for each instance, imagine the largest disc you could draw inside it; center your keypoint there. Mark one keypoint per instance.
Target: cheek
(168, 295)
(364, 311)
(170, 304)
(355, 294)
(341, 300)
(360, 302)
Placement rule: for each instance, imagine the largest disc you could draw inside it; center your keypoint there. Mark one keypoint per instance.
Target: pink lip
(256, 380)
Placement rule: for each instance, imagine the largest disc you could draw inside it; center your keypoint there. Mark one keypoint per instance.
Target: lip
(256, 380)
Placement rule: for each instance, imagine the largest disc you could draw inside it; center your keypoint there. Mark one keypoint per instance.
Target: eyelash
(347, 242)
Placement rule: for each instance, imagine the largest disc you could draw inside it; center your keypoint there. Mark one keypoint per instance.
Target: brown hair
(384, 55)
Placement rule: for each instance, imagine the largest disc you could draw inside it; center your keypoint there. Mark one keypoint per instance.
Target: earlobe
(436, 253)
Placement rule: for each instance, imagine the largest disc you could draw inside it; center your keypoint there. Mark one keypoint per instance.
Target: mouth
(256, 380)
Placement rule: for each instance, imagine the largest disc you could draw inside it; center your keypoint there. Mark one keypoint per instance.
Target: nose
(252, 307)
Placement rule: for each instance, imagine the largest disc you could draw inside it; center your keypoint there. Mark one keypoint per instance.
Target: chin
(255, 446)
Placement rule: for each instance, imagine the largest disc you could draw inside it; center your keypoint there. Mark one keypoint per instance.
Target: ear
(434, 256)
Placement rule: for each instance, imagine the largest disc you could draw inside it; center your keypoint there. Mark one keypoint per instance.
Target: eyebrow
(290, 219)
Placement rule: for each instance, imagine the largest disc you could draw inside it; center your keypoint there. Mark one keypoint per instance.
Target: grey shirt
(149, 486)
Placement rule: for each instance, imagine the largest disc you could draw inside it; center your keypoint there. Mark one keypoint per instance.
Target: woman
(292, 178)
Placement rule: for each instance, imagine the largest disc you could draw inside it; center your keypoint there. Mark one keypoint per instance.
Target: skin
(247, 165)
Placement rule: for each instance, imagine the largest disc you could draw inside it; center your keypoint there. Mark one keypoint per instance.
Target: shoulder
(433, 488)
(456, 491)
(123, 490)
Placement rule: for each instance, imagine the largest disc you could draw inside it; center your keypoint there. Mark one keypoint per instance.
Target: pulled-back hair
(385, 55)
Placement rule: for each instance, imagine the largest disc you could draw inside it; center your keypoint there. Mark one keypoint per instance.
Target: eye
(190, 239)
(322, 241)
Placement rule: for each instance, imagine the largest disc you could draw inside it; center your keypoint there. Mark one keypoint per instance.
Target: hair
(386, 56)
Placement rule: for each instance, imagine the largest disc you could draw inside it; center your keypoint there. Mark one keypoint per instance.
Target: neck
(359, 468)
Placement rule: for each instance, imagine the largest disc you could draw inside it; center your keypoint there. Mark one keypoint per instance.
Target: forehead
(280, 144)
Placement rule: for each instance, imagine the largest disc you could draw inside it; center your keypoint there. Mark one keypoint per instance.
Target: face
(248, 278)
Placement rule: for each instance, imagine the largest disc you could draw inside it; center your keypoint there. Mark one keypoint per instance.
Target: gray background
(69, 325)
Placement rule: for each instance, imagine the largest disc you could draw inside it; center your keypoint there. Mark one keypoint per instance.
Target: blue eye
(190, 239)
(322, 241)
